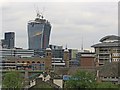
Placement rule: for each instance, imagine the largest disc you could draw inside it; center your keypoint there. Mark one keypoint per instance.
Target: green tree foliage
(106, 85)
(81, 79)
(12, 79)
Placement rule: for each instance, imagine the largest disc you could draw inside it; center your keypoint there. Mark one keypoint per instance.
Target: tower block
(66, 57)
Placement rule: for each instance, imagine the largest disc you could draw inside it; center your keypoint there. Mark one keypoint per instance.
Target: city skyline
(70, 21)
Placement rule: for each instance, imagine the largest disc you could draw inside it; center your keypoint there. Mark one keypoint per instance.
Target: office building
(72, 54)
(107, 50)
(38, 33)
(16, 53)
(9, 40)
(58, 62)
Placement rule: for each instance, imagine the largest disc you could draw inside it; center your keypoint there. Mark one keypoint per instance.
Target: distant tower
(39, 33)
(48, 59)
(9, 40)
(66, 57)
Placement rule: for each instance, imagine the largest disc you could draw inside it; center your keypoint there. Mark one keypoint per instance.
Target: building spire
(82, 44)
(66, 47)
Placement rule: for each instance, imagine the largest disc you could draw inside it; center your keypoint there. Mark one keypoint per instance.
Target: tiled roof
(109, 70)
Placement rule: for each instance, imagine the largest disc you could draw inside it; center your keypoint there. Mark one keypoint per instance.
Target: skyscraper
(9, 40)
(38, 33)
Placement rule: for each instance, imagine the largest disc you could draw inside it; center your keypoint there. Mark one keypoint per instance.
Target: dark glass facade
(38, 34)
(9, 40)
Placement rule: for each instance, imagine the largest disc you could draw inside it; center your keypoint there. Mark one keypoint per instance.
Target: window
(47, 54)
(105, 77)
(28, 62)
(33, 62)
(38, 62)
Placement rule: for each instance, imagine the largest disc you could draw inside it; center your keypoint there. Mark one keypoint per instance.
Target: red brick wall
(87, 62)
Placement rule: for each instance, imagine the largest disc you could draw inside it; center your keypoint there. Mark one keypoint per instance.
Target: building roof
(48, 49)
(107, 44)
(66, 50)
(41, 85)
(108, 41)
(110, 37)
(109, 70)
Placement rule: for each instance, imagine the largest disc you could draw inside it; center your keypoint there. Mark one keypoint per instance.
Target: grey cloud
(70, 21)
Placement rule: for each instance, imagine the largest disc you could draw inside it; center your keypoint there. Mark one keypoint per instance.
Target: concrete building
(39, 33)
(72, 54)
(107, 50)
(8, 64)
(58, 62)
(16, 53)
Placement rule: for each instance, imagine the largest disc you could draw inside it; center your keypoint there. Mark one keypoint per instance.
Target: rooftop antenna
(42, 13)
(66, 47)
(39, 15)
(82, 44)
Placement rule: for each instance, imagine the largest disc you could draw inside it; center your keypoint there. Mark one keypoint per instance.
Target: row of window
(116, 54)
(116, 59)
(110, 77)
(8, 64)
(29, 62)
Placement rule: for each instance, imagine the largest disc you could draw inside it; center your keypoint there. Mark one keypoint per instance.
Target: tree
(12, 79)
(81, 79)
(106, 85)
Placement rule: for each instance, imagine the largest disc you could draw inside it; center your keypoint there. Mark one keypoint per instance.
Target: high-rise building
(9, 40)
(38, 33)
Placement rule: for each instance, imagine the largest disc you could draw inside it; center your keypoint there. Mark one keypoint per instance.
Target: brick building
(33, 63)
(87, 60)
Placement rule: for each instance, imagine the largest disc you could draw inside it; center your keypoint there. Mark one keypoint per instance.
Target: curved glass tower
(38, 33)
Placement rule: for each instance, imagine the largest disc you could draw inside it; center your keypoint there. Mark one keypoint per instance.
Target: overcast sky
(71, 21)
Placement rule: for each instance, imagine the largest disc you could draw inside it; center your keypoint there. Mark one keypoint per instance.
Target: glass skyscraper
(38, 33)
(9, 40)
